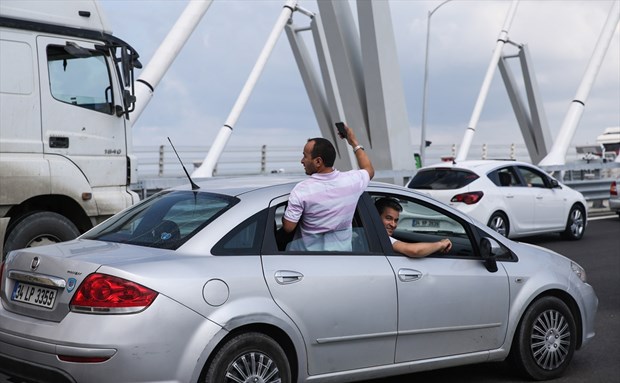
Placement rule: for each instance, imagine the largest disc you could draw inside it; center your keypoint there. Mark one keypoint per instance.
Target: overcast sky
(197, 94)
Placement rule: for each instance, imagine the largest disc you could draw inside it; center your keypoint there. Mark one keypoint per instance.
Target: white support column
(206, 169)
(166, 53)
(557, 155)
(486, 84)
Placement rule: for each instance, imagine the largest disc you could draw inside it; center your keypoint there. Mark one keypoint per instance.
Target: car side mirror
(489, 250)
(554, 183)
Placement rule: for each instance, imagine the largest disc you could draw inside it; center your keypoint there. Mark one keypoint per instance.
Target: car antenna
(194, 186)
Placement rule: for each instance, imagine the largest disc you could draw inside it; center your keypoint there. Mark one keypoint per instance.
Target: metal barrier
(592, 190)
(160, 169)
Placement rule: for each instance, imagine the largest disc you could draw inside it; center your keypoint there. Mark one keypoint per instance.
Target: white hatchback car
(514, 198)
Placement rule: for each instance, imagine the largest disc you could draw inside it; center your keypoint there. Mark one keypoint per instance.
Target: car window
(245, 239)
(442, 179)
(505, 177)
(422, 222)
(166, 220)
(532, 177)
(284, 241)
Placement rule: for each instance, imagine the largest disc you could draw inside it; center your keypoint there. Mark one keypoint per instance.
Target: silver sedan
(198, 286)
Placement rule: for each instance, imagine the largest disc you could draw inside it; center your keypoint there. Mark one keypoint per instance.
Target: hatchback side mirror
(489, 250)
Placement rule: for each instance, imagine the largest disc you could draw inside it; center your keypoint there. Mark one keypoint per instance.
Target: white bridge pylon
(351, 62)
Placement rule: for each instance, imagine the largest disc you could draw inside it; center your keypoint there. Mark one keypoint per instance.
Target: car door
(448, 304)
(549, 203)
(518, 201)
(77, 108)
(344, 304)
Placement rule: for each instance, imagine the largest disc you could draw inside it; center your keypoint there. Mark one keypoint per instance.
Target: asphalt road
(599, 253)
(597, 362)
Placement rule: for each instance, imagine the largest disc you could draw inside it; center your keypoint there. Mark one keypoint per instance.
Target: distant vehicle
(614, 197)
(513, 198)
(66, 159)
(198, 286)
(610, 140)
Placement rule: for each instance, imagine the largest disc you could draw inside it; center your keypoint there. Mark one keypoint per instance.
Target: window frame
(375, 247)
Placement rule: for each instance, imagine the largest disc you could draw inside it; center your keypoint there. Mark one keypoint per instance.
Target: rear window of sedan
(166, 220)
(442, 179)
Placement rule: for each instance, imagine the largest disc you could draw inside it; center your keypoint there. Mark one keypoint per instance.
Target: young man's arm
(422, 249)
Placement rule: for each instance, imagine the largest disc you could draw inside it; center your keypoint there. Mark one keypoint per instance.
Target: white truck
(66, 91)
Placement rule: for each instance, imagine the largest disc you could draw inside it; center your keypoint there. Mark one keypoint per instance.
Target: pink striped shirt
(324, 205)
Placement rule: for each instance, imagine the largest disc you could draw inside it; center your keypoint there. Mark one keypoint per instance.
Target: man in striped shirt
(323, 205)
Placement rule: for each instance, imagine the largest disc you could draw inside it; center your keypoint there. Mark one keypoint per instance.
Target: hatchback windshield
(165, 221)
(442, 179)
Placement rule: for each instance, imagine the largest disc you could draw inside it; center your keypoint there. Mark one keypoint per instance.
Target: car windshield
(166, 220)
(442, 179)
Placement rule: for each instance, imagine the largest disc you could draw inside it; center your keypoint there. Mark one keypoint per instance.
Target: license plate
(34, 295)
(425, 223)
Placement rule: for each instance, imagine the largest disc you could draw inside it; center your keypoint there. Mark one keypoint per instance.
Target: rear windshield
(442, 179)
(166, 220)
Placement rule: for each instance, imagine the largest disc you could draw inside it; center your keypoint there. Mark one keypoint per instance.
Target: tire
(249, 357)
(545, 341)
(499, 222)
(38, 229)
(575, 224)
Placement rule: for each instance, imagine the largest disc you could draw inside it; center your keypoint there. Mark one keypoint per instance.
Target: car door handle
(409, 275)
(539, 197)
(510, 196)
(285, 277)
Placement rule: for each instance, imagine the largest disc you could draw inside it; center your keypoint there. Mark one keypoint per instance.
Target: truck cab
(66, 91)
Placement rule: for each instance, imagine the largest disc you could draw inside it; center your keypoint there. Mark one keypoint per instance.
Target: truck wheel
(249, 357)
(38, 229)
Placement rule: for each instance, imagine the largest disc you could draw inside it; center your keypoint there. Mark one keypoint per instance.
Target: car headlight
(580, 271)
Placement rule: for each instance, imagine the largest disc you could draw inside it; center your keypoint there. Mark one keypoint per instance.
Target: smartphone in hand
(341, 130)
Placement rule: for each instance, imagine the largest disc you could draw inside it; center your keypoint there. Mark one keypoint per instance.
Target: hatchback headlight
(580, 271)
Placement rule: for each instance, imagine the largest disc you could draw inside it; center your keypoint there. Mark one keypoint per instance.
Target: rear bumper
(131, 348)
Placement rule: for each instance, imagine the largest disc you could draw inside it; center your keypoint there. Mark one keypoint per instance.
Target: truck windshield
(166, 220)
(82, 80)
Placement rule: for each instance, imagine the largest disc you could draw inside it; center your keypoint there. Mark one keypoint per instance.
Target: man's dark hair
(382, 203)
(324, 149)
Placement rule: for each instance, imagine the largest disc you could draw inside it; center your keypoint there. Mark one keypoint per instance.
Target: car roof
(475, 165)
(272, 184)
(237, 185)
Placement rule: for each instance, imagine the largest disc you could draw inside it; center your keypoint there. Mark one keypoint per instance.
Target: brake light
(105, 294)
(613, 189)
(469, 198)
(83, 359)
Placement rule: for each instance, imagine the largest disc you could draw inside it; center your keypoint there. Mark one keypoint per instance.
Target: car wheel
(38, 229)
(499, 222)
(249, 357)
(575, 225)
(545, 340)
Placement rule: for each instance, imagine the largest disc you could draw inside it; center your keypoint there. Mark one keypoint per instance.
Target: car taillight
(105, 294)
(613, 189)
(468, 198)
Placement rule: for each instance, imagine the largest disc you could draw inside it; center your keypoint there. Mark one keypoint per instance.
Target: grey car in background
(198, 286)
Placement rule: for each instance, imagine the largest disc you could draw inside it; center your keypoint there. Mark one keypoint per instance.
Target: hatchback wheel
(250, 357)
(576, 224)
(545, 340)
(499, 222)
